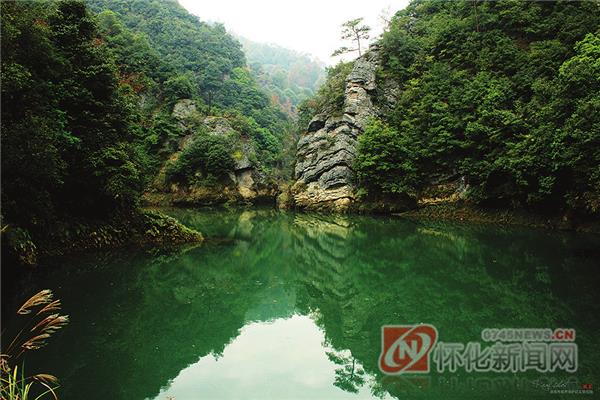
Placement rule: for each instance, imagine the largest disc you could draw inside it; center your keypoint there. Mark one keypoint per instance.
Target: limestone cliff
(326, 151)
(245, 184)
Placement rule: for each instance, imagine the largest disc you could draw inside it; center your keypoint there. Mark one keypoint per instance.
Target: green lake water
(281, 305)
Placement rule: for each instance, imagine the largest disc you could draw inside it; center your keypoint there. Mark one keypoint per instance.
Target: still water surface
(290, 306)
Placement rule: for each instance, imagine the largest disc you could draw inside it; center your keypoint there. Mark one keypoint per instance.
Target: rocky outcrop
(183, 110)
(326, 151)
(245, 183)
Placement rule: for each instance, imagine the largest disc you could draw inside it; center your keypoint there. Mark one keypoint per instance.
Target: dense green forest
(185, 58)
(114, 108)
(88, 91)
(505, 94)
(288, 76)
(72, 139)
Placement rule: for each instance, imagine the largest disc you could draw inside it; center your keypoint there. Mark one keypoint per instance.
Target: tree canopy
(354, 31)
(88, 92)
(504, 94)
(70, 137)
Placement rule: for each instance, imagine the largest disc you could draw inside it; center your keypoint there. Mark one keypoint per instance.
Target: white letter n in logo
(405, 348)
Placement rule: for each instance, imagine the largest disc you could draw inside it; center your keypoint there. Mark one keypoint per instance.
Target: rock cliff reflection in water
(283, 305)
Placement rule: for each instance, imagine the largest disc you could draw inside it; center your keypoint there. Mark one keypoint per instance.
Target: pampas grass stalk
(44, 321)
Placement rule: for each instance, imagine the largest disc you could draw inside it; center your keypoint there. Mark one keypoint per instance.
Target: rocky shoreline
(476, 215)
(140, 228)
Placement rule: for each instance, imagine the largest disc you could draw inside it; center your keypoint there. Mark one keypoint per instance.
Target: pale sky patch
(308, 26)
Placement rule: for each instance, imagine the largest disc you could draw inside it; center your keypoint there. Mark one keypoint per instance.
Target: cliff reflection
(145, 322)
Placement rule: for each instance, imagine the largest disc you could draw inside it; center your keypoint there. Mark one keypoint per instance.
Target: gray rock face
(218, 126)
(242, 157)
(246, 183)
(360, 88)
(184, 109)
(325, 152)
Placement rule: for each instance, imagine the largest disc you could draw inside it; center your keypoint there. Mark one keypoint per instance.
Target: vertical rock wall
(326, 151)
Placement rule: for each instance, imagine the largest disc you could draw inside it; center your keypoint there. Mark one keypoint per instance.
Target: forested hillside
(101, 96)
(501, 97)
(72, 141)
(288, 76)
(190, 59)
(104, 100)
(132, 131)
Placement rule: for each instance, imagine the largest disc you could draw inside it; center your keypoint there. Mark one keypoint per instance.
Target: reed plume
(44, 321)
(52, 306)
(41, 298)
(46, 378)
(51, 323)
